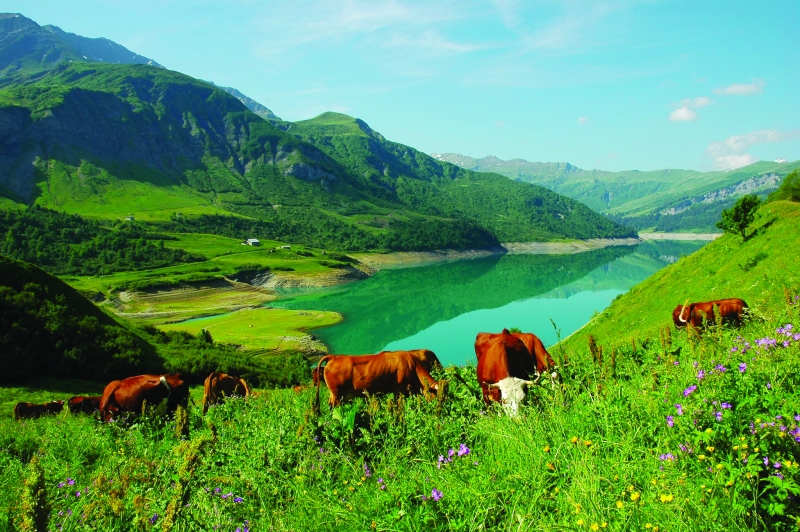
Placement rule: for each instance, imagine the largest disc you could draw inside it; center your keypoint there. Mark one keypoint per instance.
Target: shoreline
(411, 259)
(680, 236)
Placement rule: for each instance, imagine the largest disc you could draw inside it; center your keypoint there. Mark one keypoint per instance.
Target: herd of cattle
(506, 363)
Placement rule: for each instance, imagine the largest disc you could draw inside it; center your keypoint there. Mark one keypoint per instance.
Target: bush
(789, 189)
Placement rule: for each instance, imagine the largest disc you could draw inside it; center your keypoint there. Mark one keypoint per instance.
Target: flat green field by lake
(260, 328)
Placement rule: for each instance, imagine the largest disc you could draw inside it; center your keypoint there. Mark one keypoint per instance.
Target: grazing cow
(129, 394)
(220, 385)
(33, 411)
(544, 362)
(427, 358)
(504, 367)
(84, 405)
(349, 376)
(731, 310)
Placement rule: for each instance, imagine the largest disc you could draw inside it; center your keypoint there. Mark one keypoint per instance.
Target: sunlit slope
(665, 200)
(757, 271)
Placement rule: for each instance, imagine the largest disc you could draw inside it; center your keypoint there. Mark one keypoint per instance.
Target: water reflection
(442, 306)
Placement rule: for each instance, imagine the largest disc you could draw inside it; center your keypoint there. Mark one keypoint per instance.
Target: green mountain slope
(514, 211)
(758, 271)
(663, 200)
(49, 329)
(112, 141)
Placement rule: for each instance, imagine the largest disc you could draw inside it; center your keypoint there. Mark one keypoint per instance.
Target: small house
(129, 218)
(253, 242)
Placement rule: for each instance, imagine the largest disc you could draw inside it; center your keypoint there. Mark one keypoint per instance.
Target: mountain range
(84, 135)
(662, 200)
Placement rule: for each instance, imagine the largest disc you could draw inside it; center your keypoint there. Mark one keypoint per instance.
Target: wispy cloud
(742, 89)
(683, 114)
(582, 119)
(317, 20)
(732, 152)
(433, 42)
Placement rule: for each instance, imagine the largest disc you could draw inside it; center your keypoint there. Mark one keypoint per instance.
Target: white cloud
(582, 119)
(683, 114)
(732, 152)
(729, 162)
(695, 103)
(742, 89)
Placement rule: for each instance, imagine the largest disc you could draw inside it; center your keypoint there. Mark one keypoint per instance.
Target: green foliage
(68, 244)
(50, 330)
(737, 219)
(789, 189)
(34, 506)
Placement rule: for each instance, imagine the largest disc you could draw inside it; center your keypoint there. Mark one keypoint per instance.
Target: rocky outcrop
(760, 183)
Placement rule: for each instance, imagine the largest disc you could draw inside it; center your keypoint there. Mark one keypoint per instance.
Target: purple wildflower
(153, 519)
(450, 453)
(769, 385)
(766, 461)
(720, 368)
(718, 415)
(725, 405)
(367, 472)
(679, 408)
(667, 456)
(779, 476)
(238, 499)
(701, 375)
(688, 391)
(670, 421)
(742, 367)
(463, 450)
(71, 481)
(676, 363)
(436, 494)
(776, 465)
(695, 363)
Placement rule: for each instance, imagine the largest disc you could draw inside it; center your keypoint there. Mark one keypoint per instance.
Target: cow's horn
(534, 381)
(683, 308)
(163, 381)
(491, 385)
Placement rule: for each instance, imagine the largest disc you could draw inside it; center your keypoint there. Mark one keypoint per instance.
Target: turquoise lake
(443, 306)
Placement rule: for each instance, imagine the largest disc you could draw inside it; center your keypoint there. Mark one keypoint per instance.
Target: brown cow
(544, 362)
(427, 357)
(219, 385)
(128, 394)
(504, 367)
(731, 310)
(84, 405)
(33, 411)
(349, 376)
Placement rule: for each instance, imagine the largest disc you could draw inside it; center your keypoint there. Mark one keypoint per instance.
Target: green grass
(260, 329)
(593, 453)
(757, 270)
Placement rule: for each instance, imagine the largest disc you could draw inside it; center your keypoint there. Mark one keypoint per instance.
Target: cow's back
(541, 357)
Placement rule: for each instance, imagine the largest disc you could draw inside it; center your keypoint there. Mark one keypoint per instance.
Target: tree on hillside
(789, 189)
(737, 219)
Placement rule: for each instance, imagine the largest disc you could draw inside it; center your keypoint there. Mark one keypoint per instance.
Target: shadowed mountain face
(100, 50)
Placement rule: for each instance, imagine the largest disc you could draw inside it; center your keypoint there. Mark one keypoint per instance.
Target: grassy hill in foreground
(757, 270)
(643, 442)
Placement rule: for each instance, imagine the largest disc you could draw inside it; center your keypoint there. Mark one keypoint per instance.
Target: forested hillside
(661, 200)
(111, 141)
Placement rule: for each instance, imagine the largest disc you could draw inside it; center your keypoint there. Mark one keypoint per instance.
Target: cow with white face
(504, 367)
(512, 392)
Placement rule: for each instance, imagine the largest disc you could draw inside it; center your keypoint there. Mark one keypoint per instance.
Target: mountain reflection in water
(443, 306)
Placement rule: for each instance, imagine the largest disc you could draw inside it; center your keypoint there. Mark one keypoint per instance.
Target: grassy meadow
(677, 433)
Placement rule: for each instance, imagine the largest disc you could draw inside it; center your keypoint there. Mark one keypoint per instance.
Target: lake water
(443, 306)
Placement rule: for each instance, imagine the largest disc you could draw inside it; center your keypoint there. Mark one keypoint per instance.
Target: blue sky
(615, 85)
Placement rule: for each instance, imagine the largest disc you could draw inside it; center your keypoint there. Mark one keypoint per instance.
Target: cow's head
(681, 314)
(512, 392)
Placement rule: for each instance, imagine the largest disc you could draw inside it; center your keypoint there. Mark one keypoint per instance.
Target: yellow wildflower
(547, 448)
(667, 498)
(603, 524)
(719, 466)
(580, 522)
(550, 466)
(709, 431)
(710, 449)
(648, 526)
(635, 496)
(620, 504)
(574, 439)
(595, 526)
(701, 457)
(587, 443)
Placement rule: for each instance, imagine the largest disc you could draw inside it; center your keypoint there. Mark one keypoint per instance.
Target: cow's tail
(683, 309)
(315, 404)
